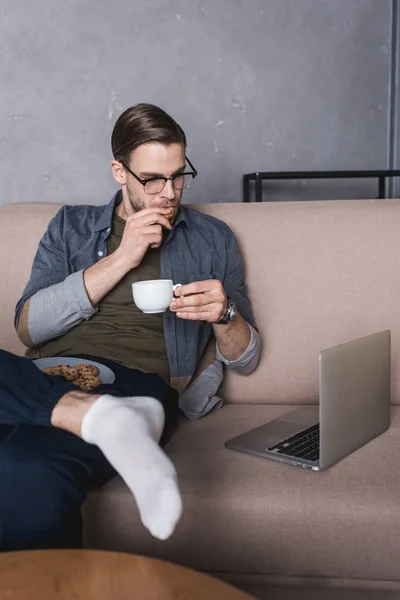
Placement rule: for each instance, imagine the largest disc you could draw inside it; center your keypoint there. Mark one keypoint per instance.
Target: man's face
(147, 161)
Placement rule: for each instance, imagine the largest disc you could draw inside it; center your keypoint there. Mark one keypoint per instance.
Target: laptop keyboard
(302, 445)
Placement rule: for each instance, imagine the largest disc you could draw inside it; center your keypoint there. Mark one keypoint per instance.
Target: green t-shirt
(119, 331)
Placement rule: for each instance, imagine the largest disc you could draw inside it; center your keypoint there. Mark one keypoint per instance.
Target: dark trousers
(45, 472)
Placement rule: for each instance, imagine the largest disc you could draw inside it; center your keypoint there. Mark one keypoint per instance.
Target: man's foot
(127, 430)
(69, 411)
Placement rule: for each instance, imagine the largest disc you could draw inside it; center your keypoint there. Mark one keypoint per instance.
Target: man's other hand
(200, 301)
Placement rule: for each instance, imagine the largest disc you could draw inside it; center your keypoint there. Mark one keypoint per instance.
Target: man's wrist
(120, 262)
(230, 313)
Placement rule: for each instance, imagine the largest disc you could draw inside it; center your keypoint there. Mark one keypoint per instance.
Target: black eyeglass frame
(193, 173)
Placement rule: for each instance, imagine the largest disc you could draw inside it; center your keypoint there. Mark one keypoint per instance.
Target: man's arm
(248, 361)
(245, 359)
(22, 326)
(233, 339)
(207, 301)
(238, 344)
(142, 230)
(54, 310)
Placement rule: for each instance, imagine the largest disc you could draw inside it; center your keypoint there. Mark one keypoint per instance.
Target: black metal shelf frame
(381, 175)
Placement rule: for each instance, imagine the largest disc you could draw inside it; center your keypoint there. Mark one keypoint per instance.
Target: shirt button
(108, 230)
(100, 253)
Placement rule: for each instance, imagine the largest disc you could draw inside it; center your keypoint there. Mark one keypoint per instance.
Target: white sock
(127, 430)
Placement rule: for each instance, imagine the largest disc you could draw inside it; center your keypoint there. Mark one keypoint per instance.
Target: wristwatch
(230, 313)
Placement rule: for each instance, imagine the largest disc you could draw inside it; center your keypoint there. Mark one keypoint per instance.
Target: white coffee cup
(153, 296)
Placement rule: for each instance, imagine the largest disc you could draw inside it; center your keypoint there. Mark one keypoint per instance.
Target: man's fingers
(152, 230)
(210, 308)
(161, 210)
(155, 241)
(195, 316)
(153, 238)
(151, 219)
(199, 287)
(200, 301)
(194, 300)
(150, 214)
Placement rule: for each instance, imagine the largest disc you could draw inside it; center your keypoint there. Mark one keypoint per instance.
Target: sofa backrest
(21, 227)
(318, 274)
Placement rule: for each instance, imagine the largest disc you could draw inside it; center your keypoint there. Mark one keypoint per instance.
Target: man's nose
(169, 190)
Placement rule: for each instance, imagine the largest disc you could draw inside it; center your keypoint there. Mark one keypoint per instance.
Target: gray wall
(256, 84)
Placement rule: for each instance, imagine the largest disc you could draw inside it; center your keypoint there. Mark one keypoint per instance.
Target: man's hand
(143, 230)
(200, 301)
(207, 301)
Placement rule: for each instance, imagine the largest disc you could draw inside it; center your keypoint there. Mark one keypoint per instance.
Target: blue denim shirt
(199, 247)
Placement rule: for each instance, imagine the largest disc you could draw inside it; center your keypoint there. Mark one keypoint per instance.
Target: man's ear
(118, 172)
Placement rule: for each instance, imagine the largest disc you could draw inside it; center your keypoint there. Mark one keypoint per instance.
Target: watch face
(230, 314)
(232, 311)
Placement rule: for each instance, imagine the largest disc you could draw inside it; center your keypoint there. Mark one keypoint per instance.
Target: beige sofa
(319, 273)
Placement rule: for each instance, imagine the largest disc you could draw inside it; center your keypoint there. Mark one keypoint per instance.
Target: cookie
(83, 375)
(86, 370)
(56, 370)
(87, 383)
(70, 373)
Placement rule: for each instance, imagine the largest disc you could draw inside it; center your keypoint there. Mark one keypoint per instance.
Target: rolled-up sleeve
(248, 361)
(58, 298)
(55, 310)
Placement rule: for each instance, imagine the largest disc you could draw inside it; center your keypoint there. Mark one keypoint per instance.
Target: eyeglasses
(155, 185)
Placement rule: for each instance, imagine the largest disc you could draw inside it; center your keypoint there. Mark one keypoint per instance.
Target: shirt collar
(105, 219)
(181, 217)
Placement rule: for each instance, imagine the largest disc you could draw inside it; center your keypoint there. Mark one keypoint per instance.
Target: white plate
(105, 374)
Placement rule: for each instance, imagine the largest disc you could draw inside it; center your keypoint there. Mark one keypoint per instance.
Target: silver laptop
(354, 408)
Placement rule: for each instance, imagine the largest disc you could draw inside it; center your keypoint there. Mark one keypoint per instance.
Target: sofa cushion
(247, 514)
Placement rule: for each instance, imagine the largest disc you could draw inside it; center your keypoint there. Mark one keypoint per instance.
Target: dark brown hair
(142, 124)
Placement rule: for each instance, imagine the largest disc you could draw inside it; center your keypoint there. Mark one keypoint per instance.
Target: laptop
(354, 408)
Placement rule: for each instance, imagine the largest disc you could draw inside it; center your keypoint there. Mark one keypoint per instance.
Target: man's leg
(44, 475)
(27, 396)
(127, 430)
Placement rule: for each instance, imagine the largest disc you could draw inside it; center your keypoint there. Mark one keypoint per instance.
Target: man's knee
(39, 508)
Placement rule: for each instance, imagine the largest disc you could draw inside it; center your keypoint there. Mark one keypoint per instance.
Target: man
(61, 441)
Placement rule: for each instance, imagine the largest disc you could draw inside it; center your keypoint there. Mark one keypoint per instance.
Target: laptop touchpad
(283, 429)
(303, 416)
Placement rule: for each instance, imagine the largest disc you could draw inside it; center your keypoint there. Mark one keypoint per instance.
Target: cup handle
(174, 287)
